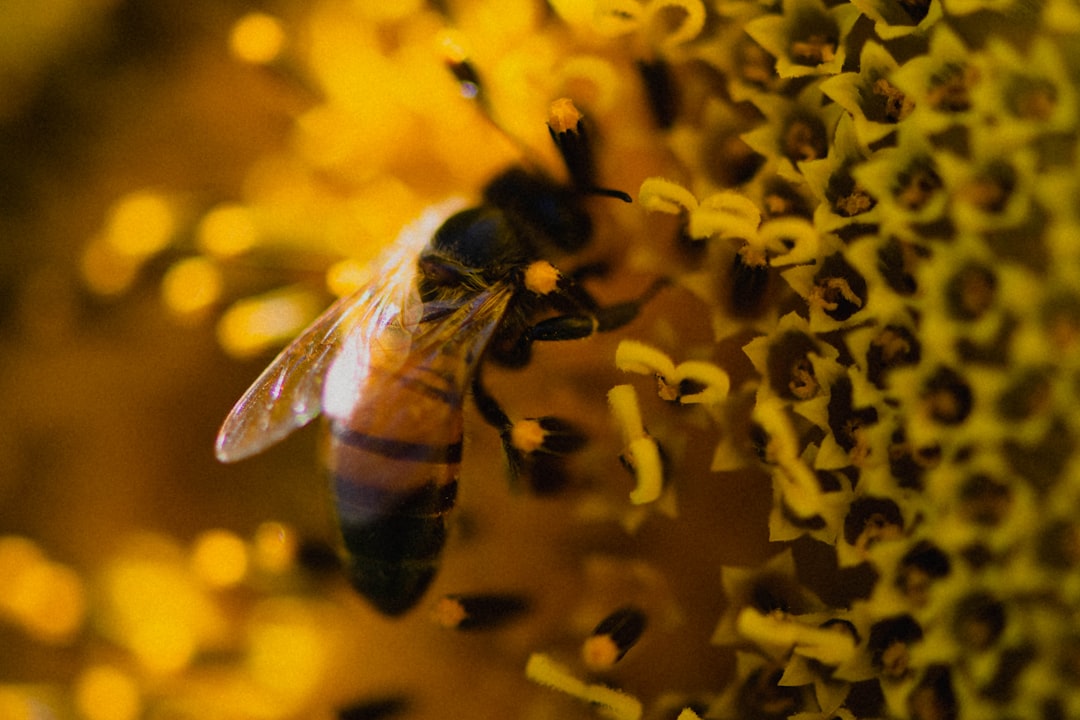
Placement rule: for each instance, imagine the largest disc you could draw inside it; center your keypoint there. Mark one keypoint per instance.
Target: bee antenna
(607, 192)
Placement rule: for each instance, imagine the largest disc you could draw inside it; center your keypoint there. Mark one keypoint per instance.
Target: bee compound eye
(436, 272)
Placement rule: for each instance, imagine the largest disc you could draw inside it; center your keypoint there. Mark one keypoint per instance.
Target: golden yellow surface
(184, 186)
(174, 173)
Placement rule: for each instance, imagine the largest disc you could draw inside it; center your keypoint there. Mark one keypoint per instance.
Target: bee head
(550, 214)
(478, 242)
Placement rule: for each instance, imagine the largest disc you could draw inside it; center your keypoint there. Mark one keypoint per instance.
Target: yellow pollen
(542, 277)
(563, 115)
(599, 652)
(449, 613)
(527, 436)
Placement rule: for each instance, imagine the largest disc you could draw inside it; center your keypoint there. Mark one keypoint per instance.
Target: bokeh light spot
(105, 271)
(219, 558)
(141, 223)
(17, 554)
(16, 704)
(46, 599)
(257, 38)
(163, 646)
(347, 276)
(227, 230)
(275, 546)
(49, 600)
(287, 649)
(107, 693)
(192, 285)
(254, 325)
(154, 606)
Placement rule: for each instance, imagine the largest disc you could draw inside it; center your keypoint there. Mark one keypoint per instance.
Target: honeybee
(389, 368)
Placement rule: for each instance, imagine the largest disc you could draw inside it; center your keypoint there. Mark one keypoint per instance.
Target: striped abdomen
(394, 468)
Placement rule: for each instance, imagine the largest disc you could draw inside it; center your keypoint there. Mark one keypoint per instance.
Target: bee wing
(438, 351)
(288, 394)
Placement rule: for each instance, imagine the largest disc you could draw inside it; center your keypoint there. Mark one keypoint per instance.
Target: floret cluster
(896, 224)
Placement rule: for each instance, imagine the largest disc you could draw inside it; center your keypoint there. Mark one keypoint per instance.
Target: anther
(484, 611)
(613, 637)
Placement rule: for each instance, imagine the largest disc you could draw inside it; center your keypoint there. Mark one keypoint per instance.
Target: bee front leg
(533, 447)
(592, 318)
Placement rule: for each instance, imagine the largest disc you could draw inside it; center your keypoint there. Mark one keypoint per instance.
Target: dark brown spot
(978, 621)
(917, 185)
(895, 346)
(950, 88)
(984, 500)
(970, 292)
(791, 373)
(887, 103)
(948, 397)
(804, 138)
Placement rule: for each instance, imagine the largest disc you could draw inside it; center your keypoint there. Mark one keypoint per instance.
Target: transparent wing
(288, 394)
(373, 375)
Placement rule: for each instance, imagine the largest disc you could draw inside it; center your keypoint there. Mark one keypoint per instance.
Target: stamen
(613, 637)
(478, 612)
(544, 670)
(691, 382)
(566, 125)
(642, 454)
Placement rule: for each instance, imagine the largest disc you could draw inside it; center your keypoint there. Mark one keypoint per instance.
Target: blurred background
(140, 577)
(110, 399)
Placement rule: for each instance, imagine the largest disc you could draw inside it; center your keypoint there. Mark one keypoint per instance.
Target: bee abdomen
(391, 498)
(392, 449)
(393, 539)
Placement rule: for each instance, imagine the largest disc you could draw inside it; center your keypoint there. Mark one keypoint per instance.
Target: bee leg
(488, 406)
(532, 446)
(592, 317)
(599, 268)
